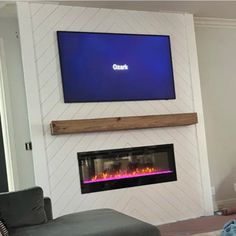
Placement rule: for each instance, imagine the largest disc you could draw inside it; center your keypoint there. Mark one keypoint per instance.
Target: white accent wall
(55, 157)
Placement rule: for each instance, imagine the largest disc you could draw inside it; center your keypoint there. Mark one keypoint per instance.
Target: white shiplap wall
(159, 203)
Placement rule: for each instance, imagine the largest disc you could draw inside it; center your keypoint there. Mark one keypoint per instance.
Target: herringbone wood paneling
(157, 203)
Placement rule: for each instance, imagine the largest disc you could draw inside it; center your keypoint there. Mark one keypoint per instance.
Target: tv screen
(97, 67)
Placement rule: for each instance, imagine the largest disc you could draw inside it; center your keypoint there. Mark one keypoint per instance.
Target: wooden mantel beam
(122, 123)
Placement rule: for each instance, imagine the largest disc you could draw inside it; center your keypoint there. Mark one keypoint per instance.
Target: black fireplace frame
(129, 182)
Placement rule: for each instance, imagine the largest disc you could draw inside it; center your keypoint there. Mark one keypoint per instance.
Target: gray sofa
(27, 213)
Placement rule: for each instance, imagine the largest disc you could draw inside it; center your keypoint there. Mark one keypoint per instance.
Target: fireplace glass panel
(112, 169)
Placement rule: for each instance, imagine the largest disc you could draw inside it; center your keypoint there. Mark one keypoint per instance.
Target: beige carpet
(214, 233)
(197, 227)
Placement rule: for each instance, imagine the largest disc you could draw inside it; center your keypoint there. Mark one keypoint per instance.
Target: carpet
(196, 227)
(214, 233)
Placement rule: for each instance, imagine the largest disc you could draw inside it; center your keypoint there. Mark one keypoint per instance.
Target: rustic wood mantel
(122, 123)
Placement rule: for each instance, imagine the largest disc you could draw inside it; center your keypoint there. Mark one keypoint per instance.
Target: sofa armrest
(48, 208)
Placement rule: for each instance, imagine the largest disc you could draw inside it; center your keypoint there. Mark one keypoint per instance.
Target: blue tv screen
(99, 67)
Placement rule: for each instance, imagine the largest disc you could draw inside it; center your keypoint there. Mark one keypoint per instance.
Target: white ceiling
(216, 9)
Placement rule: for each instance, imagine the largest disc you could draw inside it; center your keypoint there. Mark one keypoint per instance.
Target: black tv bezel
(129, 34)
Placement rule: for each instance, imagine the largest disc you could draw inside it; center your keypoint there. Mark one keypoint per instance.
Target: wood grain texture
(122, 123)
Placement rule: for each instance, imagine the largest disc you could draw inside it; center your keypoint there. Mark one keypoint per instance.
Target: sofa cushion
(103, 222)
(22, 208)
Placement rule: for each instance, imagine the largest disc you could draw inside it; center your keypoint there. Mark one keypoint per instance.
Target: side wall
(16, 104)
(217, 50)
(55, 157)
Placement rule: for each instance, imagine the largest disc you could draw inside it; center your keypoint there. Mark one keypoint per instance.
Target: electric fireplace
(127, 167)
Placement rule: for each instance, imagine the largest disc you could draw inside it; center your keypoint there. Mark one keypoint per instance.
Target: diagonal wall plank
(159, 203)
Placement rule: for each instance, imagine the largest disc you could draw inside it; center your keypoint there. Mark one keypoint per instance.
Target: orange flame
(125, 173)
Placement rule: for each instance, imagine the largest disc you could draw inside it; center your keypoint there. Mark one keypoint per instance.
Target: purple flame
(127, 176)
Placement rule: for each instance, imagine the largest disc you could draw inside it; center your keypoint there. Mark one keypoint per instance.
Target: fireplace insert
(126, 167)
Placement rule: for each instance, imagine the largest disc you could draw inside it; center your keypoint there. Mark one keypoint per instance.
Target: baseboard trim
(228, 202)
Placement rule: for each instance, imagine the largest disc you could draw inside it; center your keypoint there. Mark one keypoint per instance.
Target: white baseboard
(225, 203)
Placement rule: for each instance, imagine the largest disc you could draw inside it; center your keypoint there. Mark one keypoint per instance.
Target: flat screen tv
(98, 67)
